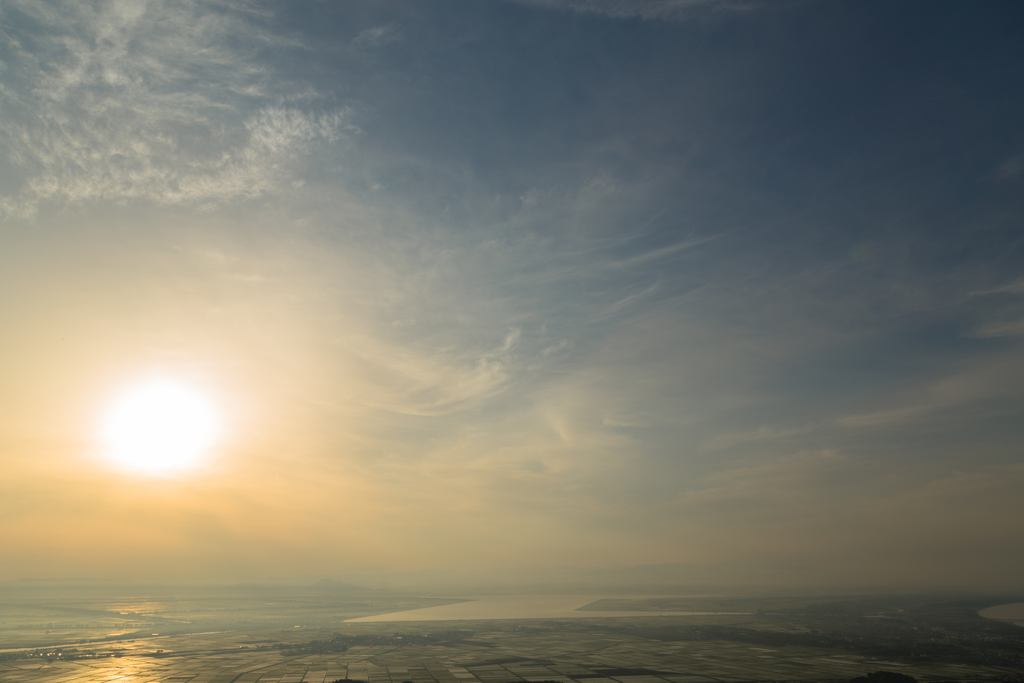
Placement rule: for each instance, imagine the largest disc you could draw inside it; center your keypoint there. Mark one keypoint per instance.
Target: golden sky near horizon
(509, 285)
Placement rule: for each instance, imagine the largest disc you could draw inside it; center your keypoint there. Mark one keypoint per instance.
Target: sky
(498, 285)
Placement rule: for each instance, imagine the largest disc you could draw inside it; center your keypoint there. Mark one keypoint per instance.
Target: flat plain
(273, 635)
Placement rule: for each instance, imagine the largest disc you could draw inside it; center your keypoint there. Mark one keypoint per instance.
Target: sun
(160, 427)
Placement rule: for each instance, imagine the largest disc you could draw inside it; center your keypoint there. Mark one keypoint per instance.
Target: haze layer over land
(513, 293)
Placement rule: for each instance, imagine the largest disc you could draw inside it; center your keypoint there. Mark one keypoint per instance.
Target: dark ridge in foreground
(875, 677)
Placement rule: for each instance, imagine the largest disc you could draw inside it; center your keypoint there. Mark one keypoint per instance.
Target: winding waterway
(1012, 612)
(518, 607)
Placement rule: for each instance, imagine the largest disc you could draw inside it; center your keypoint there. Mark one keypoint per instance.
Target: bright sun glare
(160, 427)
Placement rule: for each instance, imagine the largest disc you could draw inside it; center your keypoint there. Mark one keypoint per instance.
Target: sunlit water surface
(1011, 612)
(518, 607)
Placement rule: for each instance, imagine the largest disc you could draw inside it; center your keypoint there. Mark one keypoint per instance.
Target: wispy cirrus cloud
(646, 9)
(996, 379)
(1014, 328)
(407, 381)
(163, 102)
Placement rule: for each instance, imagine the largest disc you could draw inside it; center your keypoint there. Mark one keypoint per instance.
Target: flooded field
(522, 651)
(260, 634)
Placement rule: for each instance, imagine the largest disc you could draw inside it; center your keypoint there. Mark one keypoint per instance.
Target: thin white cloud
(135, 100)
(1011, 168)
(1014, 328)
(995, 379)
(664, 252)
(775, 477)
(887, 417)
(1016, 287)
(375, 37)
(761, 434)
(625, 302)
(405, 380)
(647, 9)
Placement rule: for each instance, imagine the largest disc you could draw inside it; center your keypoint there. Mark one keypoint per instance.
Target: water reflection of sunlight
(148, 607)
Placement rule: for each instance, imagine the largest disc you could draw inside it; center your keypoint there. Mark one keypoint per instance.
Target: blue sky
(529, 284)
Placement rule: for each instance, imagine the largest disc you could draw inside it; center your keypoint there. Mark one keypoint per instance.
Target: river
(1012, 612)
(518, 607)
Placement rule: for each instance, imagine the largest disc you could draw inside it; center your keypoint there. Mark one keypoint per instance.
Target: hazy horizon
(627, 292)
(723, 579)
